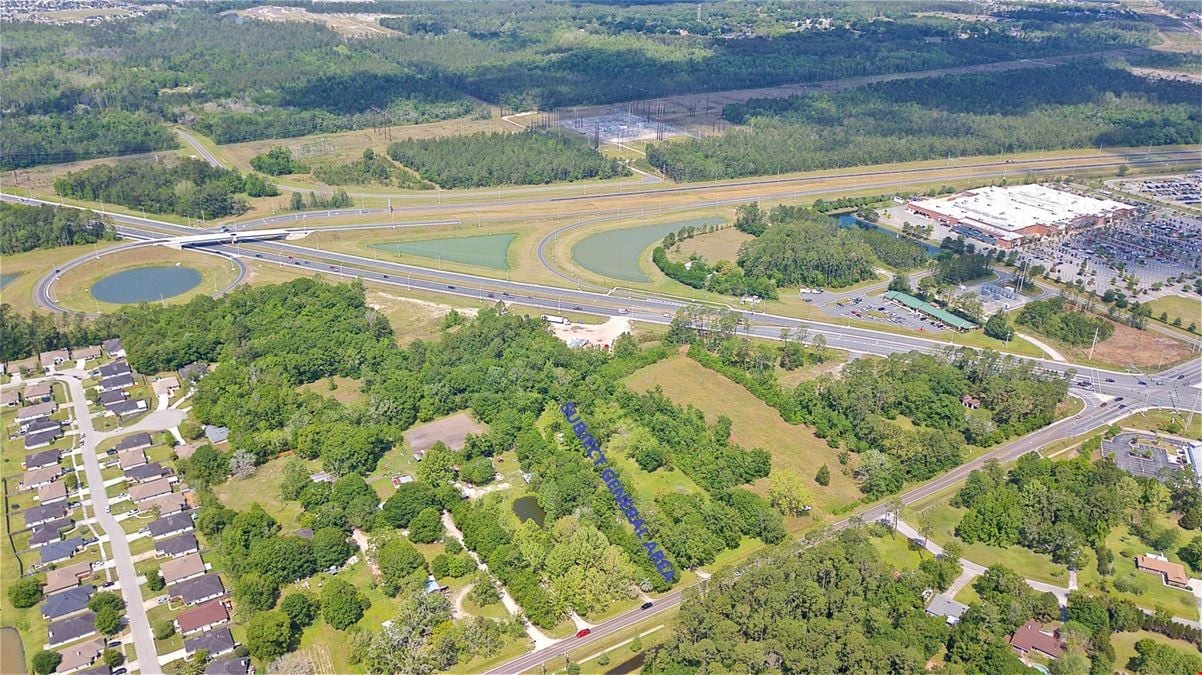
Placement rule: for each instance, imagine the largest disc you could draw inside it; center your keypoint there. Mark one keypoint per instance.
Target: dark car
(583, 632)
(577, 308)
(1117, 399)
(1143, 383)
(647, 605)
(385, 276)
(492, 295)
(449, 286)
(1110, 379)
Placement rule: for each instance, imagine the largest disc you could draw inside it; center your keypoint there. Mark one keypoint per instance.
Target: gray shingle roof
(67, 602)
(60, 550)
(72, 628)
(184, 543)
(176, 522)
(216, 641)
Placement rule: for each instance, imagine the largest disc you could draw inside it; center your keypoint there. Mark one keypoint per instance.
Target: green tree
(426, 527)
(436, 467)
(163, 629)
(331, 547)
(1191, 553)
(997, 328)
(301, 608)
(25, 592)
(112, 658)
(108, 621)
(270, 635)
(45, 662)
(787, 492)
(407, 502)
(478, 471)
(255, 593)
(823, 477)
(397, 560)
(155, 581)
(341, 604)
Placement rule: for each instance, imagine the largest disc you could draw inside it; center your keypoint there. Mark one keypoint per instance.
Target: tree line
(487, 159)
(26, 227)
(189, 187)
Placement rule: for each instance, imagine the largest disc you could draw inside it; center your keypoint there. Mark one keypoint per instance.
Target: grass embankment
(33, 265)
(73, 289)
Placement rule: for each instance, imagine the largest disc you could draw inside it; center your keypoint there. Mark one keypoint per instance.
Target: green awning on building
(930, 310)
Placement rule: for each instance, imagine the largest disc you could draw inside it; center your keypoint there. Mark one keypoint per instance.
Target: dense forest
(25, 228)
(486, 159)
(1072, 106)
(189, 187)
(236, 79)
(368, 169)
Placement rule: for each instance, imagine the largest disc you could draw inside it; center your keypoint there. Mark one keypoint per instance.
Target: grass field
(73, 289)
(32, 266)
(489, 250)
(1124, 645)
(346, 390)
(754, 424)
(1164, 420)
(1144, 589)
(1188, 309)
(721, 245)
(262, 488)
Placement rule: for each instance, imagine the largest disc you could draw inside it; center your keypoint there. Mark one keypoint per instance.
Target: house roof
(80, 655)
(147, 472)
(66, 577)
(43, 513)
(216, 434)
(134, 442)
(194, 370)
(32, 479)
(37, 390)
(184, 543)
(86, 353)
(48, 494)
(145, 491)
(182, 568)
(234, 665)
(42, 438)
(1173, 572)
(67, 602)
(119, 381)
(37, 410)
(41, 424)
(176, 522)
(124, 407)
(114, 368)
(206, 614)
(72, 628)
(49, 358)
(165, 385)
(112, 345)
(216, 641)
(110, 397)
(131, 458)
(10, 397)
(48, 532)
(43, 459)
(168, 503)
(60, 550)
(1031, 637)
(943, 606)
(199, 589)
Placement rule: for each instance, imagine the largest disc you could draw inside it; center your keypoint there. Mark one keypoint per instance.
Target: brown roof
(52, 492)
(66, 577)
(48, 358)
(86, 353)
(182, 568)
(1031, 637)
(167, 504)
(207, 614)
(39, 476)
(10, 397)
(147, 490)
(1173, 572)
(131, 458)
(80, 655)
(37, 390)
(188, 449)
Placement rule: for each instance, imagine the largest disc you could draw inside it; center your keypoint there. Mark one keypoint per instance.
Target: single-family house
(176, 546)
(41, 460)
(113, 369)
(234, 665)
(166, 504)
(193, 371)
(165, 386)
(196, 591)
(49, 532)
(53, 358)
(37, 392)
(126, 408)
(1031, 638)
(120, 381)
(108, 398)
(41, 439)
(81, 656)
(321, 477)
(113, 348)
(10, 398)
(60, 550)
(155, 488)
(216, 434)
(139, 441)
(90, 353)
(131, 458)
(66, 577)
(167, 526)
(181, 569)
(54, 492)
(202, 617)
(41, 424)
(145, 473)
(32, 480)
(44, 513)
(947, 608)
(216, 642)
(24, 366)
(72, 629)
(33, 412)
(68, 602)
(1172, 573)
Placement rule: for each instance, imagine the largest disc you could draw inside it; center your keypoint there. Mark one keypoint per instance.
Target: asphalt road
(135, 612)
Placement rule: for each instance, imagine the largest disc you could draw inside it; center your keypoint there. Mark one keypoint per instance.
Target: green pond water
(145, 284)
(488, 250)
(527, 508)
(6, 279)
(615, 253)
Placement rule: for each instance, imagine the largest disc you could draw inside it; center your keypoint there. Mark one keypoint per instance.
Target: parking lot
(1183, 190)
(871, 308)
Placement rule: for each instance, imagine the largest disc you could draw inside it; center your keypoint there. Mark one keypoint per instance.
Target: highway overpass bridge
(229, 238)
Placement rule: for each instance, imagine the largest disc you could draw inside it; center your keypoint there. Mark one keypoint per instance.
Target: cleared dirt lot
(452, 431)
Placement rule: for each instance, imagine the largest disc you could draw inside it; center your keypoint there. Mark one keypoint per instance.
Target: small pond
(145, 284)
(12, 653)
(615, 253)
(526, 508)
(6, 279)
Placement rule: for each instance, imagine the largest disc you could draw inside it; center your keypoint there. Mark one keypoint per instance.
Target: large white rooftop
(1018, 207)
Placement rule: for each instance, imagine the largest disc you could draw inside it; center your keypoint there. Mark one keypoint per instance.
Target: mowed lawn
(754, 424)
(263, 488)
(1188, 309)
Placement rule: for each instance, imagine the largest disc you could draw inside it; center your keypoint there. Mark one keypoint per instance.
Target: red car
(583, 632)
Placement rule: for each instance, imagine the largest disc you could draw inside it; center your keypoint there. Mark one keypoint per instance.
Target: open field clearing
(1188, 309)
(721, 245)
(489, 250)
(754, 425)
